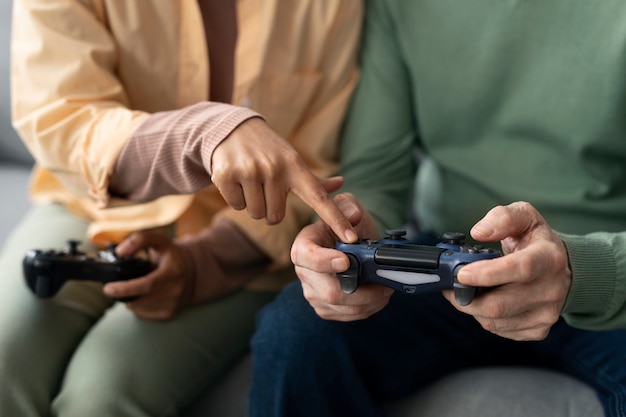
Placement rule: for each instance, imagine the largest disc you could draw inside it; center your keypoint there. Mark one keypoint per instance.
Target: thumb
(505, 221)
(142, 240)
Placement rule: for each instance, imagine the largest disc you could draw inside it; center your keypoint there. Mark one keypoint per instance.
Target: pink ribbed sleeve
(170, 152)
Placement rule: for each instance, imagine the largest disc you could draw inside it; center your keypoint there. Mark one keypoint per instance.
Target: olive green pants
(82, 354)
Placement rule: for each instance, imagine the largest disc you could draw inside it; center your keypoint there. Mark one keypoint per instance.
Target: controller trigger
(463, 294)
(349, 279)
(72, 245)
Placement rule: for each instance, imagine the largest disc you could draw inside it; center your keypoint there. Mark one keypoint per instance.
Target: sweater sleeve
(597, 297)
(170, 153)
(379, 138)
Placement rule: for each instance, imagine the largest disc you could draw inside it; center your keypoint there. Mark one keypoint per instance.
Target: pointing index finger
(311, 191)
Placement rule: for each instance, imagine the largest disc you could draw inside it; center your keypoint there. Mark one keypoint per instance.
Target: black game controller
(46, 271)
(410, 268)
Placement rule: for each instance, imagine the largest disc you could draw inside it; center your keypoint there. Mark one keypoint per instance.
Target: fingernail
(351, 236)
(349, 211)
(483, 228)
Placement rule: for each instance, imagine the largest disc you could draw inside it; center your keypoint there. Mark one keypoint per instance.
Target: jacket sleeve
(68, 105)
(315, 136)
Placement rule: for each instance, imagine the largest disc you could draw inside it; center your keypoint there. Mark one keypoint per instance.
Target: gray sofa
(494, 392)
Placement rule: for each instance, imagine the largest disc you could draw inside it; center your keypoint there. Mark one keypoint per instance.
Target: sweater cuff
(593, 276)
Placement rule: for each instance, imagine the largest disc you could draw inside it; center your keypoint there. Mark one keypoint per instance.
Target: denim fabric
(307, 366)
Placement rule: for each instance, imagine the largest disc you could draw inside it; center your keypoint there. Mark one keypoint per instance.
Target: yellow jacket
(87, 73)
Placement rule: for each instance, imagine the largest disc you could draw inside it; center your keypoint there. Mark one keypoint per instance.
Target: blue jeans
(307, 366)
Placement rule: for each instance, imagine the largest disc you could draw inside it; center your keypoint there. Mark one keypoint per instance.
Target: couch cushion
(14, 179)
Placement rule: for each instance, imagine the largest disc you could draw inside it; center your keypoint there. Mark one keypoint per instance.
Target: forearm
(170, 153)
(222, 259)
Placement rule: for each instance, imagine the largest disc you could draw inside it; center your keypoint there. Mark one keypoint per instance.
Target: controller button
(453, 238)
(409, 289)
(73, 246)
(371, 243)
(474, 249)
(395, 234)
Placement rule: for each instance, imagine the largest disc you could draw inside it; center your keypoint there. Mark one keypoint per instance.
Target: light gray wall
(11, 148)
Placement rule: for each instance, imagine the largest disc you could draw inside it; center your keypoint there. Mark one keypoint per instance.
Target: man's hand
(529, 284)
(255, 169)
(317, 263)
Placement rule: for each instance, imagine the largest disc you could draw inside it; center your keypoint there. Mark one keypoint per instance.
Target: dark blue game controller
(410, 268)
(47, 270)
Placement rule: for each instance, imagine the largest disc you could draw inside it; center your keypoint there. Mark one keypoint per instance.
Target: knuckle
(237, 205)
(167, 314)
(525, 266)
(293, 158)
(256, 213)
(331, 295)
(489, 325)
(494, 309)
(320, 195)
(274, 218)
(345, 196)
(301, 253)
(157, 315)
(524, 207)
(502, 212)
(537, 334)
(220, 175)
(271, 170)
(549, 316)
(324, 313)
(312, 300)
(295, 257)
(353, 311)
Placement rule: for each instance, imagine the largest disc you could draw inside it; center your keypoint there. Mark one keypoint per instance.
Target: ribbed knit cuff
(593, 275)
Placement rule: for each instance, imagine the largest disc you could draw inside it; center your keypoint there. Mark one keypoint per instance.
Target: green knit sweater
(506, 100)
